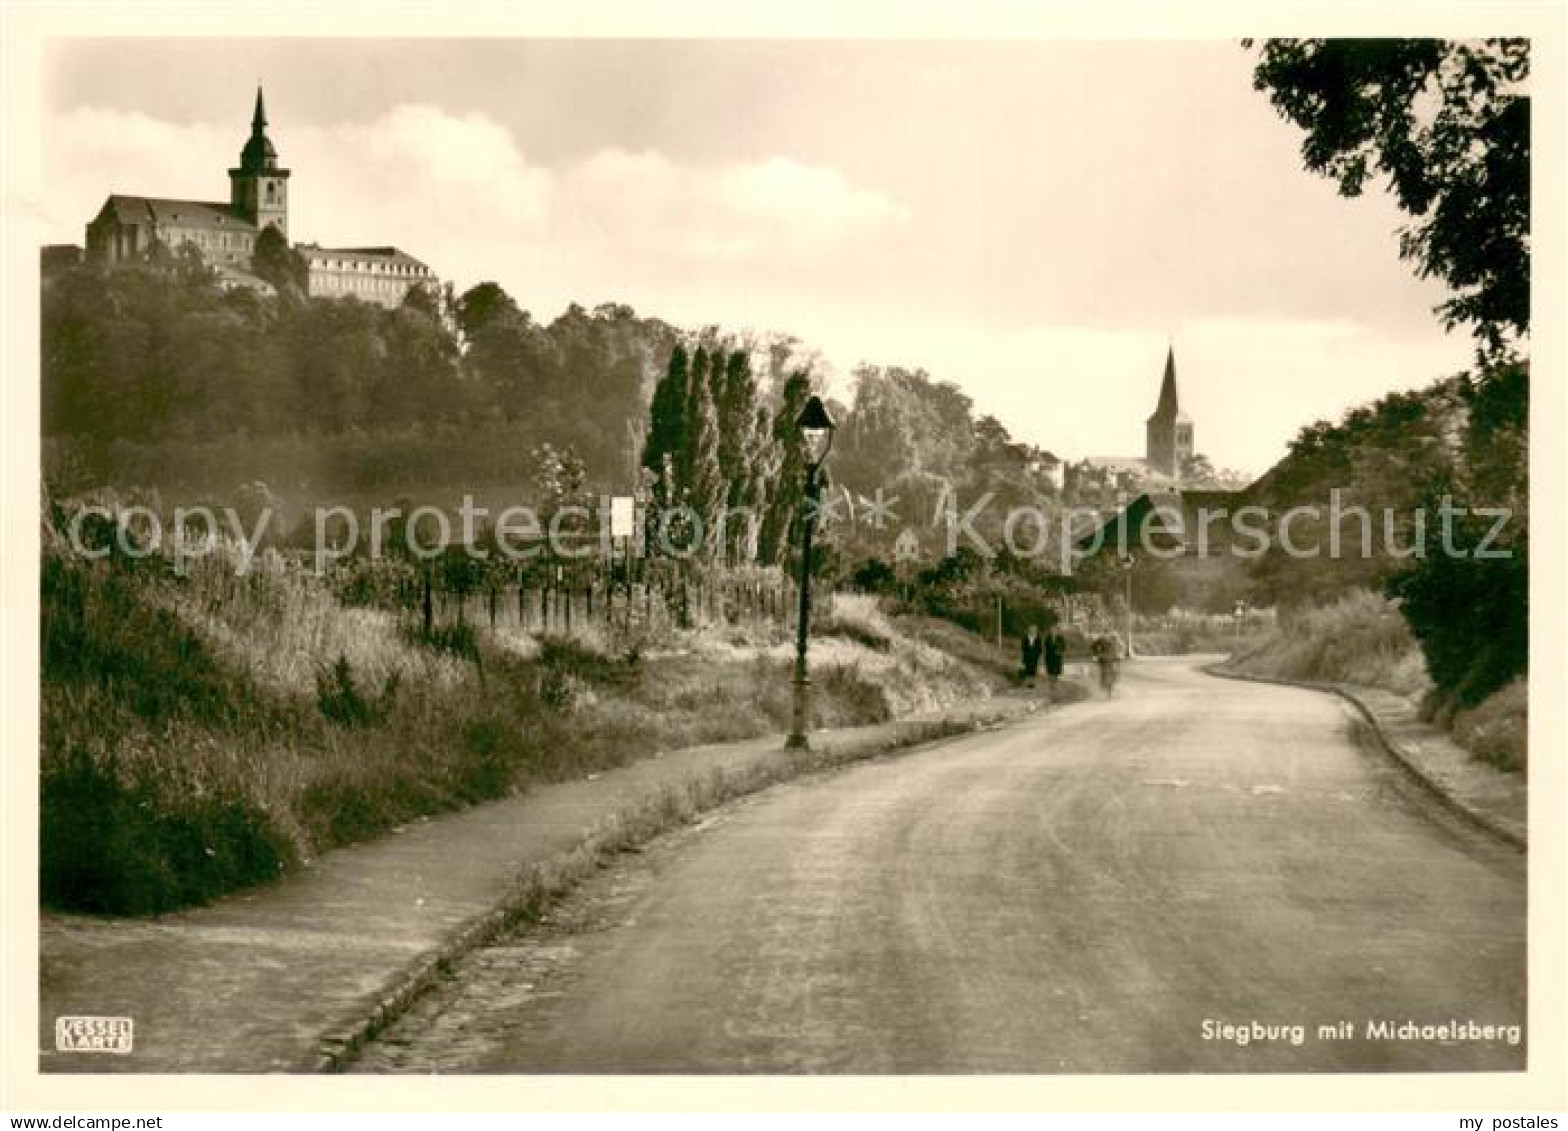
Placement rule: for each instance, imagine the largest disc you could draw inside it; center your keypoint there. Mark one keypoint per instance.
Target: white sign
(623, 516)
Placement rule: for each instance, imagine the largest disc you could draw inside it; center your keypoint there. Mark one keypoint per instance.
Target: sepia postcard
(740, 560)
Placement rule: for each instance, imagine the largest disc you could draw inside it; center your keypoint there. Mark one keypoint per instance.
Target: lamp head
(816, 428)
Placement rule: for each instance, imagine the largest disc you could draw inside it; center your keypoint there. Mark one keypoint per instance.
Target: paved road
(1101, 889)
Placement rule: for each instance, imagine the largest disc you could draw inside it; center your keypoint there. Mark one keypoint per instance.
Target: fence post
(427, 607)
(1000, 651)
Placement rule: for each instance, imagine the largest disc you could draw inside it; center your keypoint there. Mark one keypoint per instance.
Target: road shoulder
(1490, 799)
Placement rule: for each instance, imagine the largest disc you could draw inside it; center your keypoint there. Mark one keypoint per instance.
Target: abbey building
(225, 233)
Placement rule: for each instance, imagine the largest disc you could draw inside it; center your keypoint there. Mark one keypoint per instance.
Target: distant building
(1168, 445)
(374, 274)
(1183, 546)
(224, 234)
(1168, 432)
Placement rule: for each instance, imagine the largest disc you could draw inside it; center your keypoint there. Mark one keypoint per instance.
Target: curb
(337, 1050)
(1475, 817)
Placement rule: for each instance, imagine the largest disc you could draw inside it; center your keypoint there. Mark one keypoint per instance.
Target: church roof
(1169, 407)
(166, 213)
(391, 254)
(1134, 464)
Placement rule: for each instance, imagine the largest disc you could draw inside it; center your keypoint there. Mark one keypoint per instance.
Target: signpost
(623, 525)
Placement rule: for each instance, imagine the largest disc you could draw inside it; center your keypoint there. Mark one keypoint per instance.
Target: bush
(1472, 617)
(856, 619)
(98, 629)
(874, 576)
(457, 639)
(339, 698)
(1497, 730)
(1360, 638)
(116, 841)
(845, 697)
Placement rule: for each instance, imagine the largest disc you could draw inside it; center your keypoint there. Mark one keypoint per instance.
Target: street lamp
(1128, 561)
(816, 430)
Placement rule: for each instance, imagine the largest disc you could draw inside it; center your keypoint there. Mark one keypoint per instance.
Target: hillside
(205, 731)
(159, 378)
(1441, 477)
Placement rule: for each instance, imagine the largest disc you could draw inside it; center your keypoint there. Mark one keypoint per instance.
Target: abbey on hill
(224, 233)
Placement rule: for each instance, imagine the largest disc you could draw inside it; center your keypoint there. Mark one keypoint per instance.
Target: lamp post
(1128, 561)
(816, 430)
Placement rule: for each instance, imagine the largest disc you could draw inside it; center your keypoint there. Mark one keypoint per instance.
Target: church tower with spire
(1168, 432)
(259, 188)
(224, 234)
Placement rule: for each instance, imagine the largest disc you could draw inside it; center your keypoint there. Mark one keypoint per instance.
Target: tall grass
(1497, 729)
(1359, 638)
(1362, 639)
(281, 623)
(206, 732)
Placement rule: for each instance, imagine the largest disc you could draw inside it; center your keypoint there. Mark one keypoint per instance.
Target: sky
(1035, 221)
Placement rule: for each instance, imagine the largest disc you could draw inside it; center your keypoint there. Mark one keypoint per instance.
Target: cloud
(755, 212)
(419, 162)
(460, 191)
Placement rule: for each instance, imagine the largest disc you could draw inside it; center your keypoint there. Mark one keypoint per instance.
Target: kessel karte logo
(93, 1034)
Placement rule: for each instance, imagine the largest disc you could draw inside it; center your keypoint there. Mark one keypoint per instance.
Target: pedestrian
(1055, 656)
(1033, 647)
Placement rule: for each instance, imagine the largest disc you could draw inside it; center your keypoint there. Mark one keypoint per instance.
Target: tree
(666, 423)
(789, 470)
(480, 305)
(1449, 123)
(274, 260)
(691, 413)
(706, 483)
(559, 476)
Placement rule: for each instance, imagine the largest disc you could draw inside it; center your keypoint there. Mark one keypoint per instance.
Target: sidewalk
(287, 977)
(1487, 797)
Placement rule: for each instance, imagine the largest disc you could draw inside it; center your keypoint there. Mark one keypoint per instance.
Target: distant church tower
(1168, 433)
(259, 189)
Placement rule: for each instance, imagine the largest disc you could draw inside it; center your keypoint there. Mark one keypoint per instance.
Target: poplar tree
(696, 390)
(705, 480)
(789, 470)
(667, 422)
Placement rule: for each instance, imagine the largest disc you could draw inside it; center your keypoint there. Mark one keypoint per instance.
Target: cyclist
(1107, 650)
